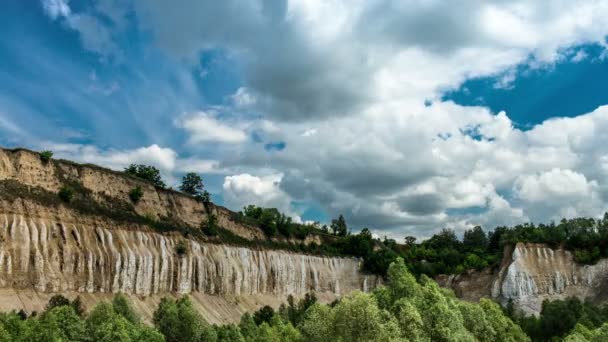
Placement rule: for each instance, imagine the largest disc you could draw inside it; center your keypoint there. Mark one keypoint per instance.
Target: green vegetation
(560, 318)
(66, 193)
(147, 173)
(181, 248)
(46, 156)
(136, 194)
(274, 223)
(210, 227)
(192, 184)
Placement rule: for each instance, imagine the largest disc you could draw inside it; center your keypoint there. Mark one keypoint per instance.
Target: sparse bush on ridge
(136, 194)
(66, 193)
(46, 156)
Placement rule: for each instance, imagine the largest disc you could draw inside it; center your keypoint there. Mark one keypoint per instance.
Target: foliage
(338, 226)
(46, 156)
(559, 318)
(192, 184)
(263, 315)
(146, 172)
(181, 248)
(178, 321)
(210, 227)
(136, 194)
(66, 193)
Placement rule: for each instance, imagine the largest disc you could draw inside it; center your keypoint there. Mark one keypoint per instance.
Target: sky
(404, 116)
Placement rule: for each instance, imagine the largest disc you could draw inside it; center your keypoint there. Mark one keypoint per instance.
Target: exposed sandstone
(48, 249)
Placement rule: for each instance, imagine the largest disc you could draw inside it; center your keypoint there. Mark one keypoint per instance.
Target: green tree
(192, 184)
(357, 318)
(264, 314)
(56, 301)
(105, 325)
(339, 227)
(316, 324)
(475, 239)
(121, 306)
(179, 321)
(146, 172)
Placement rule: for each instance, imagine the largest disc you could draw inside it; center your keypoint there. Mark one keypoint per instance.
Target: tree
(56, 301)
(122, 307)
(358, 318)
(475, 239)
(339, 227)
(192, 184)
(316, 325)
(146, 172)
(410, 241)
(179, 321)
(264, 314)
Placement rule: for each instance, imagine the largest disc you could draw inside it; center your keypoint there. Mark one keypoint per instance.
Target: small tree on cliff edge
(338, 226)
(146, 172)
(193, 184)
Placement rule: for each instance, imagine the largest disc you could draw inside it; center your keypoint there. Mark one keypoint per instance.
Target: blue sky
(406, 119)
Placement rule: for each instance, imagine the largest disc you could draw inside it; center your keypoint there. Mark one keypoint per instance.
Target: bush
(66, 194)
(209, 227)
(181, 248)
(46, 156)
(136, 194)
(146, 172)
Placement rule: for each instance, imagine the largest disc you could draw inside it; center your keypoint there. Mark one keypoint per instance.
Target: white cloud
(343, 84)
(265, 191)
(94, 35)
(164, 158)
(207, 127)
(548, 185)
(56, 8)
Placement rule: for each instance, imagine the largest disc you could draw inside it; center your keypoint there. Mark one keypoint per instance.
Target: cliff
(529, 274)
(101, 244)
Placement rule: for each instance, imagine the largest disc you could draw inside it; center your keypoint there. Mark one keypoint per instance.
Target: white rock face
(56, 257)
(537, 272)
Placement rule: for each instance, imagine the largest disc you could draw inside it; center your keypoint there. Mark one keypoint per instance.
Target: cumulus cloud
(344, 85)
(56, 8)
(207, 127)
(265, 191)
(164, 158)
(309, 58)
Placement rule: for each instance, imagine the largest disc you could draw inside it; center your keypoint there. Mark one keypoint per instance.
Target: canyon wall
(531, 273)
(49, 247)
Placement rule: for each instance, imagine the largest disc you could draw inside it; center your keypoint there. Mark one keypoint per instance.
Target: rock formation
(531, 273)
(99, 247)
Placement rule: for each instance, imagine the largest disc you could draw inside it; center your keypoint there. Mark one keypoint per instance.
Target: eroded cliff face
(57, 257)
(531, 273)
(49, 249)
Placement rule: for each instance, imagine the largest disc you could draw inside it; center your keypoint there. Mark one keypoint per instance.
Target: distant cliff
(530, 273)
(101, 243)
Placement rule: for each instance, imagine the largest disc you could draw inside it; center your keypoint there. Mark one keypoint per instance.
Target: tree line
(404, 309)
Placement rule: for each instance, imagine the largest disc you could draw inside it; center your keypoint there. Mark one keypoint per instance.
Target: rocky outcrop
(531, 273)
(48, 247)
(58, 257)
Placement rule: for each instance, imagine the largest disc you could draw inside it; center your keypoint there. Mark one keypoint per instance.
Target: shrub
(56, 301)
(46, 156)
(136, 194)
(181, 248)
(209, 227)
(146, 172)
(66, 194)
